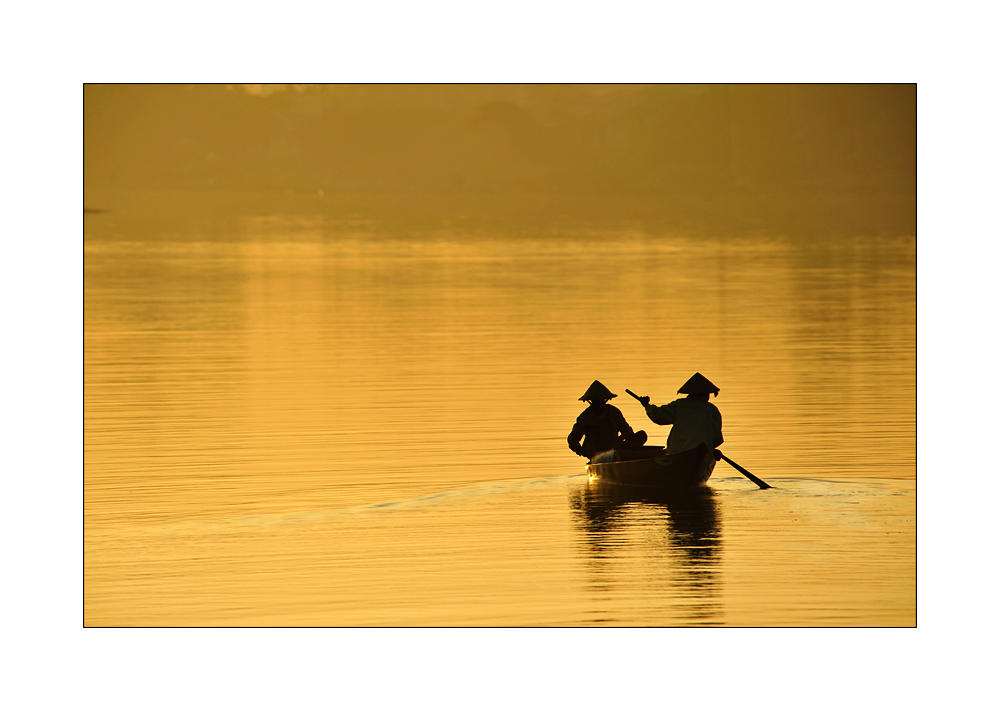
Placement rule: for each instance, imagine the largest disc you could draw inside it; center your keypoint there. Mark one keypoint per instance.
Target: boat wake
(314, 516)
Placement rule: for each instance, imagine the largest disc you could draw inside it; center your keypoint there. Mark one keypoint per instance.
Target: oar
(759, 482)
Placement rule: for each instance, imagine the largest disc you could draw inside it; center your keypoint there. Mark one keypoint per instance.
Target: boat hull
(652, 467)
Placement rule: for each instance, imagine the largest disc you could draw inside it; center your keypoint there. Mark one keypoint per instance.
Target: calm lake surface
(292, 419)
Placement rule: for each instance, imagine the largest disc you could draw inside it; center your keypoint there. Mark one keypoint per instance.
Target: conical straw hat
(597, 391)
(698, 384)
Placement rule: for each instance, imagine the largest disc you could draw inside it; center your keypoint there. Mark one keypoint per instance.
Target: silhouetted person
(694, 418)
(602, 426)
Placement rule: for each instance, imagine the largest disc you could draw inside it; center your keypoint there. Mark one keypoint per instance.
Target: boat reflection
(623, 525)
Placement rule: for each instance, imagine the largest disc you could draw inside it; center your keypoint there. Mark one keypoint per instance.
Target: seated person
(602, 426)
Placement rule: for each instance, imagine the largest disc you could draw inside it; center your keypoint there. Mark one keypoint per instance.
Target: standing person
(602, 426)
(694, 418)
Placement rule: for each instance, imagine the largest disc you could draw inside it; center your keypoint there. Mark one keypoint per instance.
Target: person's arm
(574, 439)
(624, 428)
(663, 414)
(717, 421)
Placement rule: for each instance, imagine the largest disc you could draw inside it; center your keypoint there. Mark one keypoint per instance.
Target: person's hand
(644, 400)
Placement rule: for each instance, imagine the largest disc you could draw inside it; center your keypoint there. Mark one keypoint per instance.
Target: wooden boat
(653, 467)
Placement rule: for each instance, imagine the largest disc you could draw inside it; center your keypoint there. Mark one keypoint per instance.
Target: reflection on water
(266, 367)
(681, 529)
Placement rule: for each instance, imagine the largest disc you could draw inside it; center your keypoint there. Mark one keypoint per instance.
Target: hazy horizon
(842, 156)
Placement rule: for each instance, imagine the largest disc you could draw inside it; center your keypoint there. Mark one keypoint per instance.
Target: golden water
(292, 419)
